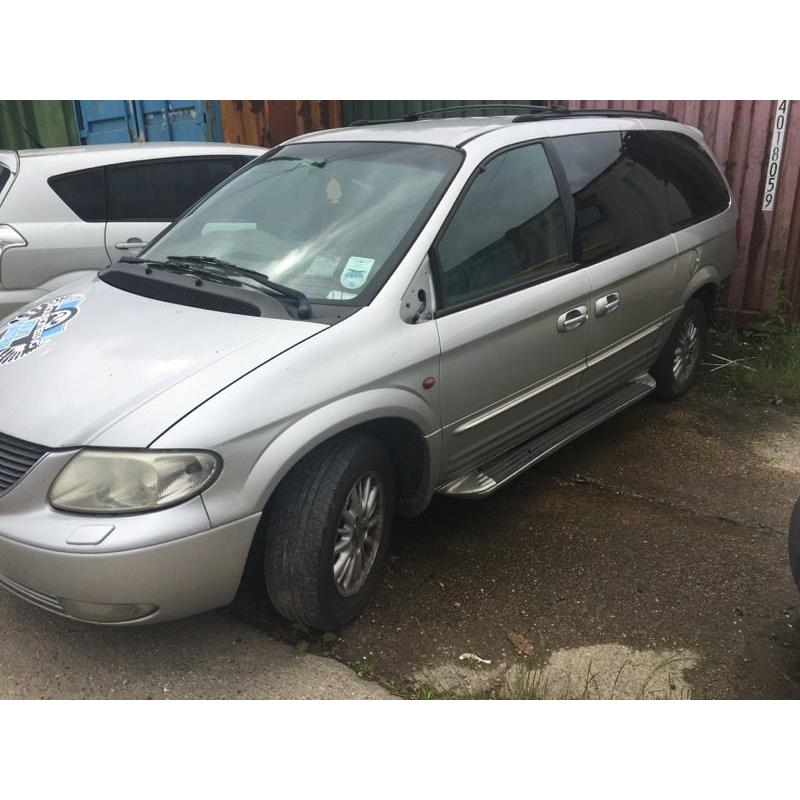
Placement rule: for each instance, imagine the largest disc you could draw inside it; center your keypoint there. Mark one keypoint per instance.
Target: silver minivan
(70, 211)
(356, 320)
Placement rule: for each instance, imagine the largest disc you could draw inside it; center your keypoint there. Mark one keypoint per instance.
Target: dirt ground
(647, 559)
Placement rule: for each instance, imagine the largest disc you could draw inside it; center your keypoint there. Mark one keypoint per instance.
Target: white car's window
(84, 192)
(160, 191)
(325, 219)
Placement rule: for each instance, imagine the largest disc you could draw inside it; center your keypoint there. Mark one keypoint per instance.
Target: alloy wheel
(687, 351)
(358, 535)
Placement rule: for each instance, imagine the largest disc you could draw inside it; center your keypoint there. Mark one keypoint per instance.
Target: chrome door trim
(632, 339)
(527, 394)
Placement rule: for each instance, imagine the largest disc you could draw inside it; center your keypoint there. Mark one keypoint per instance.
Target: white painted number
(775, 152)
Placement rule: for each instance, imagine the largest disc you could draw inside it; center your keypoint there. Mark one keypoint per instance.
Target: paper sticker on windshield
(334, 191)
(33, 327)
(356, 271)
(324, 266)
(337, 294)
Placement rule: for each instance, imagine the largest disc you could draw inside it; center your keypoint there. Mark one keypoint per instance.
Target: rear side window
(695, 188)
(160, 191)
(508, 229)
(618, 194)
(83, 192)
(5, 174)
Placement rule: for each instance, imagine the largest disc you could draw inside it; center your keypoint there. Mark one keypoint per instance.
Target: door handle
(572, 319)
(132, 244)
(605, 305)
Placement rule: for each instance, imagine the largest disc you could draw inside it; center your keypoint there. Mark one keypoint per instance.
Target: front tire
(676, 368)
(327, 532)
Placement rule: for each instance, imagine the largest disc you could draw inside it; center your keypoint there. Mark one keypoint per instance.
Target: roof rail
(427, 112)
(536, 113)
(559, 112)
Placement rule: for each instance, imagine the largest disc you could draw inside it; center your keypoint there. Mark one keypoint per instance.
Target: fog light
(106, 612)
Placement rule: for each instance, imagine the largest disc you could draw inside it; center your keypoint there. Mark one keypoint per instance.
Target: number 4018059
(775, 152)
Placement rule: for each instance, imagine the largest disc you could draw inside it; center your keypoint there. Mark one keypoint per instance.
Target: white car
(69, 211)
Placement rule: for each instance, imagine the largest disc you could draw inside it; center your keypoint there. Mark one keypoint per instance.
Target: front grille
(16, 458)
(31, 595)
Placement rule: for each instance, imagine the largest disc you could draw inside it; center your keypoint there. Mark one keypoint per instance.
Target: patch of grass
(366, 671)
(520, 682)
(427, 691)
(767, 360)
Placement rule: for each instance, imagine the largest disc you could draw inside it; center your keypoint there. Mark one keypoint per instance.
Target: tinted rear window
(695, 188)
(160, 191)
(5, 173)
(618, 193)
(83, 192)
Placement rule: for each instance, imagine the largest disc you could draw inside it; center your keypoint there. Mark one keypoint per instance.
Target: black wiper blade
(303, 306)
(183, 269)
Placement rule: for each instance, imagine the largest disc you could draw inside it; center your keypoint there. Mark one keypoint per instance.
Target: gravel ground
(647, 559)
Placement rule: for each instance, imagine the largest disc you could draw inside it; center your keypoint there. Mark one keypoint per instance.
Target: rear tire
(676, 368)
(327, 532)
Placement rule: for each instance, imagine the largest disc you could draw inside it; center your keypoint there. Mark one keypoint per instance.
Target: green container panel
(37, 123)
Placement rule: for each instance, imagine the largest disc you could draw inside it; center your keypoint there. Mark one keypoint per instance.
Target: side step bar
(493, 474)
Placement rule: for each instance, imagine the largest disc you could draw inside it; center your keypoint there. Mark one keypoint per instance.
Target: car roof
(456, 131)
(450, 132)
(132, 150)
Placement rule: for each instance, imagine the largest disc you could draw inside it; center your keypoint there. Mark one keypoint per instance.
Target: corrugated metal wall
(397, 109)
(740, 134)
(34, 123)
(270, 122)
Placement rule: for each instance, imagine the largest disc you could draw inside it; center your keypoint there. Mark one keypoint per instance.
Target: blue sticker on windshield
(33, 327)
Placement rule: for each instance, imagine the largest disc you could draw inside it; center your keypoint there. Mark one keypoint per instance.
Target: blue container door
(106, 121)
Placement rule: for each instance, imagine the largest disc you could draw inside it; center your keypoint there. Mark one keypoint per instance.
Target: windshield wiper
(303, 306)
(183, 269)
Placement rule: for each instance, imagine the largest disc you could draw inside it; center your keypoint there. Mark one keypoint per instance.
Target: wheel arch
(415, 457)
(704, 285)
(398, 418)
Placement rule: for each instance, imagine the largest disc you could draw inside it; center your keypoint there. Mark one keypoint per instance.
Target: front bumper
(178, 578)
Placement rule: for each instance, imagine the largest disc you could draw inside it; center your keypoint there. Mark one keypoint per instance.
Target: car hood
(84, 358)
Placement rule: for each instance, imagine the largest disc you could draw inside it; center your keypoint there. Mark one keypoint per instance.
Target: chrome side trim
(527, 394)
(491, 476)
(632, 339)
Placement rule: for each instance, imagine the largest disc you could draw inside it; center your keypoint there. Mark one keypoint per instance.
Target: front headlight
(128, 481)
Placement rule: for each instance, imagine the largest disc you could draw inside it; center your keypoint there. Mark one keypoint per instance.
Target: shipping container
(37, 123)
(114, 121)
(269, 122)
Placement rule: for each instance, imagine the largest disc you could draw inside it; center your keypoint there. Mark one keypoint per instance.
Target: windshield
(325, 219)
